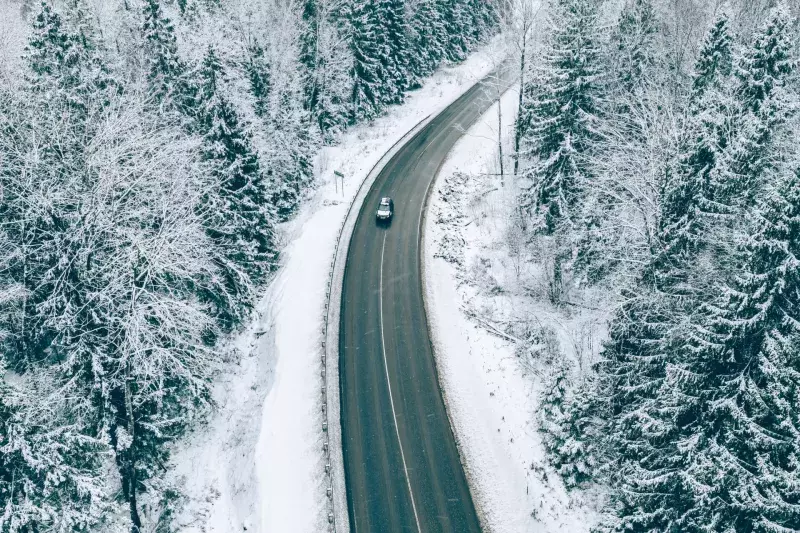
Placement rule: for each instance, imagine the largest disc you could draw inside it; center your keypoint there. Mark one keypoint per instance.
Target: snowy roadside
(475, 289)
(259, 464)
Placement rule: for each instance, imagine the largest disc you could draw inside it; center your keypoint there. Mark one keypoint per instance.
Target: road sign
(338, 174)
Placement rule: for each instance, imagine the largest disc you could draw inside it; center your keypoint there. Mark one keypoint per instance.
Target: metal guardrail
(338, 518)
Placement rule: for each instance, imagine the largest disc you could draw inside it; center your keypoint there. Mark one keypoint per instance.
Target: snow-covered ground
(486, 298)
(258, 465)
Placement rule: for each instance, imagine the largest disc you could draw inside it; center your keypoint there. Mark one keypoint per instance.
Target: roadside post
(338, 174)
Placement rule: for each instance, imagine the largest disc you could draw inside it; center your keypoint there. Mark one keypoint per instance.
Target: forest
(148, 152)
(658, 154)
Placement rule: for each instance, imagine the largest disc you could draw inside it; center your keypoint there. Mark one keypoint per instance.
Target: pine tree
(690, 188)
(368, 74)
(260, 77)
(715, 60)
(51, 470)
(651, 325)
(633, 44)
(563, 110)
(66, 69)
(454, 14)
(309, 56)
(239, 223)
(764, 107)
(740, 408)
(564, 422)
(429, 38)
(395, 49)
(166, 72)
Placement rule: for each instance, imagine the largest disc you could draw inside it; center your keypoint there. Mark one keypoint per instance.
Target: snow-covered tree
(565, 427)
(689, 188)
(52, 475)
(370, 79)
(166, 71)
(764, 105)
(237, 205)
(633, 45)
(428, 37)
(563, 110)
(737, 389)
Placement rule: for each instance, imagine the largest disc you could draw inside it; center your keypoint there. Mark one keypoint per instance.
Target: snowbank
(259, 465)
(491, 393)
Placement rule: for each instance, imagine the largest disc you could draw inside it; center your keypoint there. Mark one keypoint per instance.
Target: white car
(385, 210)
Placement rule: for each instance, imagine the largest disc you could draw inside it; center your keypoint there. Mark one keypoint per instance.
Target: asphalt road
(402, 467)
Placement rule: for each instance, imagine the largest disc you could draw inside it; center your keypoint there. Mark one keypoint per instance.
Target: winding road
(402, 466)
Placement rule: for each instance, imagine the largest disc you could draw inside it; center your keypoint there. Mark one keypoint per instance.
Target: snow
(474, 297)
(258, 465)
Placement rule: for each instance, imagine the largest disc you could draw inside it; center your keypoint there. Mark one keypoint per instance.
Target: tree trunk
(136, 521)
(500, 134)
(518, 132)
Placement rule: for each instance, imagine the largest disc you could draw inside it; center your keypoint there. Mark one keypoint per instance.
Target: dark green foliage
(259, 75)
(65, 68)
(238, 222)
(633, 49)
(700, 376)
(392, 51)
(715, 60)
(562, 111)
(566, 428)
(166, 72)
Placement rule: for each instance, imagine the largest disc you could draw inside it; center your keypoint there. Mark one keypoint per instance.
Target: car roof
(385, 200)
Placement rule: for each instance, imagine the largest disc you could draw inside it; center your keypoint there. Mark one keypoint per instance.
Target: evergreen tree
(309, 56)
(428, 38)
(563, 110)
(633, 44)
(260, 77)
(650, 327)
(66, 69)
(739, 410)
(395, 52)
(166, 72)
(765, 105)
(690, 188)
(239, 224)
(368, 74)
(454, 15)
(715, 60)
(51, 471)
(565, 423)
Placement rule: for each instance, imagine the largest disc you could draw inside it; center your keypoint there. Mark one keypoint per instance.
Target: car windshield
(385, 202)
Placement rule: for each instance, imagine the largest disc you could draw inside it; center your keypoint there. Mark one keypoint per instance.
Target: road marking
(391, 399)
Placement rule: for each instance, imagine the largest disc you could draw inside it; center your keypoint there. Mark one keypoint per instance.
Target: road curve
(402, 467)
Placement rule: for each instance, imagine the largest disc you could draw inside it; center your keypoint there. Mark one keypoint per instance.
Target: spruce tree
(565, 424)
(239, 224)
(651, 325)
(166, 72)
(368, 74)
(395, 49)
(633, 44)
(65, 68)
(690, 188)
(309, 56)
(563, 111)
(715, 60)
(429, 38)
(260, 77)
(51, 467)
(764, 106)
(455, 15)
(740, 407)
